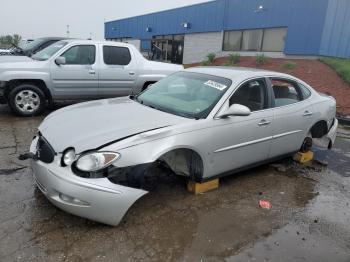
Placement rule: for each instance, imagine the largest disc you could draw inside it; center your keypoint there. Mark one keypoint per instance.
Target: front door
(117, 71)
(239, 141)
(78, 78)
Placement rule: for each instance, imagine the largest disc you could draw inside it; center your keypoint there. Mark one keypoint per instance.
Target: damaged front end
(91, 195)
(327, 140)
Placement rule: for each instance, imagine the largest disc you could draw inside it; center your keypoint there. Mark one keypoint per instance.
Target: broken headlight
(94, 161)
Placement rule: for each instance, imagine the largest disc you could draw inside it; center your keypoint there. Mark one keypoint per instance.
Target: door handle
(264, 122)
(131, 73)
(307, 113)
(92, 72)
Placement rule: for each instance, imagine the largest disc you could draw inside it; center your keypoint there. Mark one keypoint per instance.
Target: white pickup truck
(77, 70)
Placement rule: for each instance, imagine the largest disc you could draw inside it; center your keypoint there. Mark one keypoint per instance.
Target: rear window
(305, 91)
(116, 55)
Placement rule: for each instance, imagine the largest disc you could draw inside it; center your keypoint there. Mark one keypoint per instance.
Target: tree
(16, 39)
(9, 40)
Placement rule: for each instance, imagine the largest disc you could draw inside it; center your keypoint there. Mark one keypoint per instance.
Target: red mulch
(315, 73)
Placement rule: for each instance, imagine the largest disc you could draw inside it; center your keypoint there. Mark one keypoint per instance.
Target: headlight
(96, 160)
(68, 157)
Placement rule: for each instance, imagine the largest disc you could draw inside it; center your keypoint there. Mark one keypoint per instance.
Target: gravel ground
(309, 218)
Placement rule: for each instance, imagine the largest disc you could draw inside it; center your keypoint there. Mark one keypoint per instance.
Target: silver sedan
(90, 159)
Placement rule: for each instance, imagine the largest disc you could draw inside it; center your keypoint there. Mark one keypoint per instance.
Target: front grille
(44, 151)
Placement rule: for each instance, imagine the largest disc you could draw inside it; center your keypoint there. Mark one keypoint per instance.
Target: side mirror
(60, 60)
(235, 110)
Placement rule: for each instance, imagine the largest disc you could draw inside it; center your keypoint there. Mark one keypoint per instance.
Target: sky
(39, 18)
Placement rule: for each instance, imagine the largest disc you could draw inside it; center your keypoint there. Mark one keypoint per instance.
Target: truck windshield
(31, 45)
(49, 51)
(187, 94)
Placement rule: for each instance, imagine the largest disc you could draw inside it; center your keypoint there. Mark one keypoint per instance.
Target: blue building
(275, 27)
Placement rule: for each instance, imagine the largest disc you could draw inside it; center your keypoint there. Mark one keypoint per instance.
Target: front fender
(24, 75)
(149, 152)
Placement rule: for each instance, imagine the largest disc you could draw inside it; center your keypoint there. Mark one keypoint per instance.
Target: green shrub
(289, 65)
(211, 58)
(205, 63)
(260, 59)
(340, 65)
(233, 59)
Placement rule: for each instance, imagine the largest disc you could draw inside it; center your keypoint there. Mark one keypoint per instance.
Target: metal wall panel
(314, 26)
(336, 33)
(205, 17)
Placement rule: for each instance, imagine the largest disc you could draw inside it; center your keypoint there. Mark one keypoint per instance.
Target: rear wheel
(27, 100)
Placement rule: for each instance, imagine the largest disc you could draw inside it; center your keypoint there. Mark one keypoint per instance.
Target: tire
(27, 100)
(307, 144)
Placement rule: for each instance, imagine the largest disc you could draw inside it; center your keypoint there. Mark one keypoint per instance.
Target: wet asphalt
(309, 219)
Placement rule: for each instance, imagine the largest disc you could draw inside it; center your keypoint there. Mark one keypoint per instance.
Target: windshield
(49, 51)
(31, 45)
(186, 94)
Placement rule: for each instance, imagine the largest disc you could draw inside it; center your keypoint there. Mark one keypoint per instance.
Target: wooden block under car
(303, 157)
(198, 188)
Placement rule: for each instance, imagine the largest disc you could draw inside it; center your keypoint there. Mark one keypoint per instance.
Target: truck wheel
(27, 100)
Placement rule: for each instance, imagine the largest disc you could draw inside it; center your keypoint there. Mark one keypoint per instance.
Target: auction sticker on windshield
(215, 85)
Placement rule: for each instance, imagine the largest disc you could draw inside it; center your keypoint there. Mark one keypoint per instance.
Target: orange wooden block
(303, 157)
(198, 188)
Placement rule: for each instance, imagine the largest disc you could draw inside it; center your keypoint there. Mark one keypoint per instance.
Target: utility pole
(67, 30)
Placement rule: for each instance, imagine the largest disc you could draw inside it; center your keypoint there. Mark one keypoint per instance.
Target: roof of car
(54, 38)
(235, 72)
(85, 41)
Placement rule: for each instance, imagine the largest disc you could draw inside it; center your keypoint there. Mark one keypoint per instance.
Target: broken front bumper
(332, 133)
(96, 199)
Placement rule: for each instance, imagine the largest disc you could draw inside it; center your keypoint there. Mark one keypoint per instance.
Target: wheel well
(319, 129)
(147, 84)
(184, 161)
(38, 82)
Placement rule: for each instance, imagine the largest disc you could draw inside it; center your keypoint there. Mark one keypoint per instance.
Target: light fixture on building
(186, 25)
(148, 29)
(260, 8)
(114, 29)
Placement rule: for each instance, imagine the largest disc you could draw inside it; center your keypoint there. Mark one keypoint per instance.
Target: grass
(340, 65)
(233, 59)
(211, 58)
(289, 65)
(209, 61)
(260, 59)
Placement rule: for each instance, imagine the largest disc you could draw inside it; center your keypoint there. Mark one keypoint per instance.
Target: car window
(252, 94)
(286, 92)
(80, 55)
(116, 55)
(49, 51)
(305, 91)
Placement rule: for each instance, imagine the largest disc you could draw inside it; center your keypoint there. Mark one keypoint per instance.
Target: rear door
(117, 72)
(78, 78)
(293, 115)
(239, 141)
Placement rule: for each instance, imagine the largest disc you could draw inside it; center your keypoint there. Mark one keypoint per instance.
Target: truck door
(77, 78)
(117, 74)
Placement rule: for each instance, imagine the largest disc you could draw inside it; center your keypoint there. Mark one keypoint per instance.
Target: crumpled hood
(89, 125)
